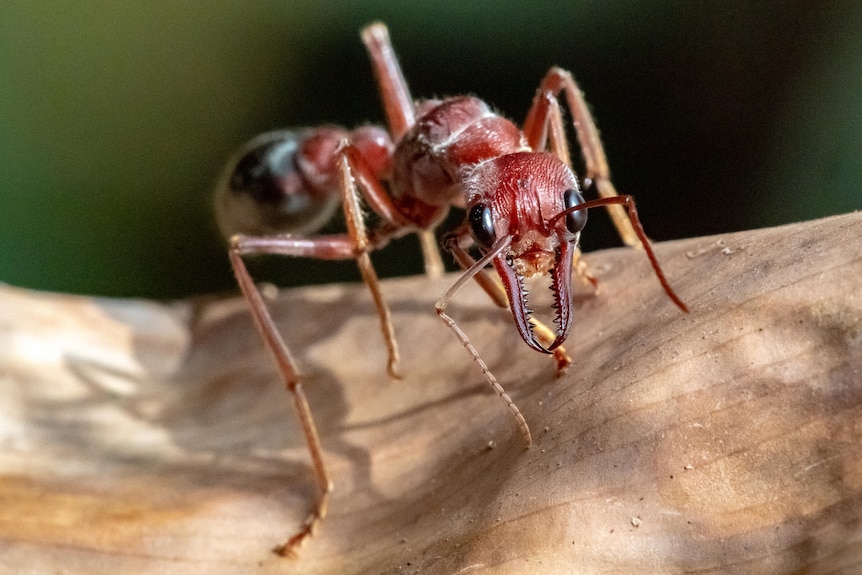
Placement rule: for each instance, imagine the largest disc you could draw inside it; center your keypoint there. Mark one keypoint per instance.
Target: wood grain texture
(143, 437)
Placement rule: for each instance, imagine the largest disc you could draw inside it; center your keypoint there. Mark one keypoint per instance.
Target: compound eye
(575, 221)
(482, 225)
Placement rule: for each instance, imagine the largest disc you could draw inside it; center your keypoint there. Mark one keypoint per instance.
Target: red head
(518, 200)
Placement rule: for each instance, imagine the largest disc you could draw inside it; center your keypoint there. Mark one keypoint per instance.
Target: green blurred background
(115, 116)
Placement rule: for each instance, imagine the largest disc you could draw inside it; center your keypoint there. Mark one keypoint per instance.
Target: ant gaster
(524, 211)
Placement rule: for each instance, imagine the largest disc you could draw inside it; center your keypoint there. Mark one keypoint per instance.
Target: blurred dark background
(115, 116)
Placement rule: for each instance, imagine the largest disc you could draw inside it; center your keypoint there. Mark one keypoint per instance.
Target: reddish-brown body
(523, 210)
(449, 138)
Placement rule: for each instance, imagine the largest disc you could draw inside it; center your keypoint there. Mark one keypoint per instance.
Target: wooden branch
(142, 437)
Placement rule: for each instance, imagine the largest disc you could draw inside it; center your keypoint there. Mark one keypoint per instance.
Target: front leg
(397, 102)
(544, 117)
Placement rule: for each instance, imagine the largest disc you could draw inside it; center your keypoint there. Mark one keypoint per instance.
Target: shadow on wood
(141, 437)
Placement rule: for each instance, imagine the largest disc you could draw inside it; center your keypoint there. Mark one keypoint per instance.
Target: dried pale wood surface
(141, 437)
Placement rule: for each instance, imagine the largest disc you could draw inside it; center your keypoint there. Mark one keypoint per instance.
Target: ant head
(264, 189)
(530, 199)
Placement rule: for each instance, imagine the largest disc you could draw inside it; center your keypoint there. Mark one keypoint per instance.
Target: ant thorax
(450, 138)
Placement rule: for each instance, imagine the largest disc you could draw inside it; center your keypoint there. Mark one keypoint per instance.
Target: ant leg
(397, 102)
(362, 246)
(583, 271)
(431, 254)
(549, 132)
(381, 202)
(494, 289)
(400, 116)
(334, 247)
(276, 345)
(440, 307)
(329, 247)
(545, 129)
(597, 174)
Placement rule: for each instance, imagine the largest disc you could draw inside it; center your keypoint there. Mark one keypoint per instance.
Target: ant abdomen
(263, 191)
(286, 182)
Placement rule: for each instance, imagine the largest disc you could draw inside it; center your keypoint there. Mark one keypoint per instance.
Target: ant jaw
(535, 263)
(511, 273)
